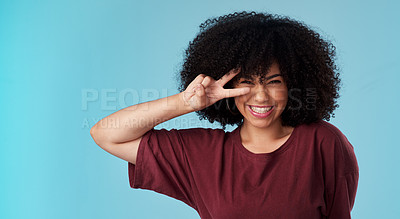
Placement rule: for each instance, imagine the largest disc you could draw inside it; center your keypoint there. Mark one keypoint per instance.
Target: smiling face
(264, 104)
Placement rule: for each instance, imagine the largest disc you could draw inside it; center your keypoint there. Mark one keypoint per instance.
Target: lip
(260, 115)
(260, 106)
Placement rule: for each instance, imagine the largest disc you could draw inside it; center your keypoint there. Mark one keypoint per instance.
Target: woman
(276, 79)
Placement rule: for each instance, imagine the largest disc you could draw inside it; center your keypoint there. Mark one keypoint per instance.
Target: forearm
(134, 121)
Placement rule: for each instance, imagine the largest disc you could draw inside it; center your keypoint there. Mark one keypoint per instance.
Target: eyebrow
(272, 76)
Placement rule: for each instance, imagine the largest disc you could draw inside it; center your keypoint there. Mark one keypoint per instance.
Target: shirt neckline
(238, 143)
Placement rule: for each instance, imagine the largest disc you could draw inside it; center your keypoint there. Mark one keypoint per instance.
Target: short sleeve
(341, 200)
(341, 174)
(161, 166)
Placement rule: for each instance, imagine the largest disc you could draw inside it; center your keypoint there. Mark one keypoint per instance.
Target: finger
(206, 81)
(199, 90)
(228, 76)
(199, 78)
(236, 92)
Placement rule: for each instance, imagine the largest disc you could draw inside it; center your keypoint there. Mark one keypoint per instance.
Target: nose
(260, 94)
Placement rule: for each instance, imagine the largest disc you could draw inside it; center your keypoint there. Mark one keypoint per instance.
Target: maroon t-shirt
(314, 174)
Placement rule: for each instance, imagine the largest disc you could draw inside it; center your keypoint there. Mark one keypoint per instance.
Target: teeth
(260, 109)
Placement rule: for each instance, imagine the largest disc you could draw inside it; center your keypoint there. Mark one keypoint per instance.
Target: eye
(275, 82)
(246, 82)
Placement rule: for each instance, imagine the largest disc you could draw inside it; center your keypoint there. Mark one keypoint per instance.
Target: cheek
(239, 101)
(280, 94)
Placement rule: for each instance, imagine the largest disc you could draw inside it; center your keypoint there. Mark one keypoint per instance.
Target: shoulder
(196, 142)
(191, 134)
(333, 145)
(196, 132)
(324, 131)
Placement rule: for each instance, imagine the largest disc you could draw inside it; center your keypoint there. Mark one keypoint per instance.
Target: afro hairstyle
(253, 41)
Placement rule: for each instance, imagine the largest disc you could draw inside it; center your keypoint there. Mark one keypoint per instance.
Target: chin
(260, 124)
(263, 123)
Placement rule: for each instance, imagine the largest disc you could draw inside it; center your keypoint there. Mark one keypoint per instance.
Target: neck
(259, 136)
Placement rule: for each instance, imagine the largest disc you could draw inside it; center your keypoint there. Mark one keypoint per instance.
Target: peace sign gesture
(204, 91)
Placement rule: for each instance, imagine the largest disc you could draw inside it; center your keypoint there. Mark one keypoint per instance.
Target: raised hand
(204, 91)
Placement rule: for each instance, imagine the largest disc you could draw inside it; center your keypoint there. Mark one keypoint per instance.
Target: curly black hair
(253, 41)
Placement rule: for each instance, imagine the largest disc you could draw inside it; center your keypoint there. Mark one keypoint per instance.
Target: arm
(341, 200)
(134, 121)
(341, 174)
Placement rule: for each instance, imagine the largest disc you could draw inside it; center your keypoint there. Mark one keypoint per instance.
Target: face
(264, 104)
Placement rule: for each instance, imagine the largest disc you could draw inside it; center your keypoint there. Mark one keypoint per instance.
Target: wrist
(184, 104)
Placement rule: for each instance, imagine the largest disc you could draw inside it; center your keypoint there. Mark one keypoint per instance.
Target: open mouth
(261, 109)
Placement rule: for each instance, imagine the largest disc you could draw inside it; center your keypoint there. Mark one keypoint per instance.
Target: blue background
(66, 64)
